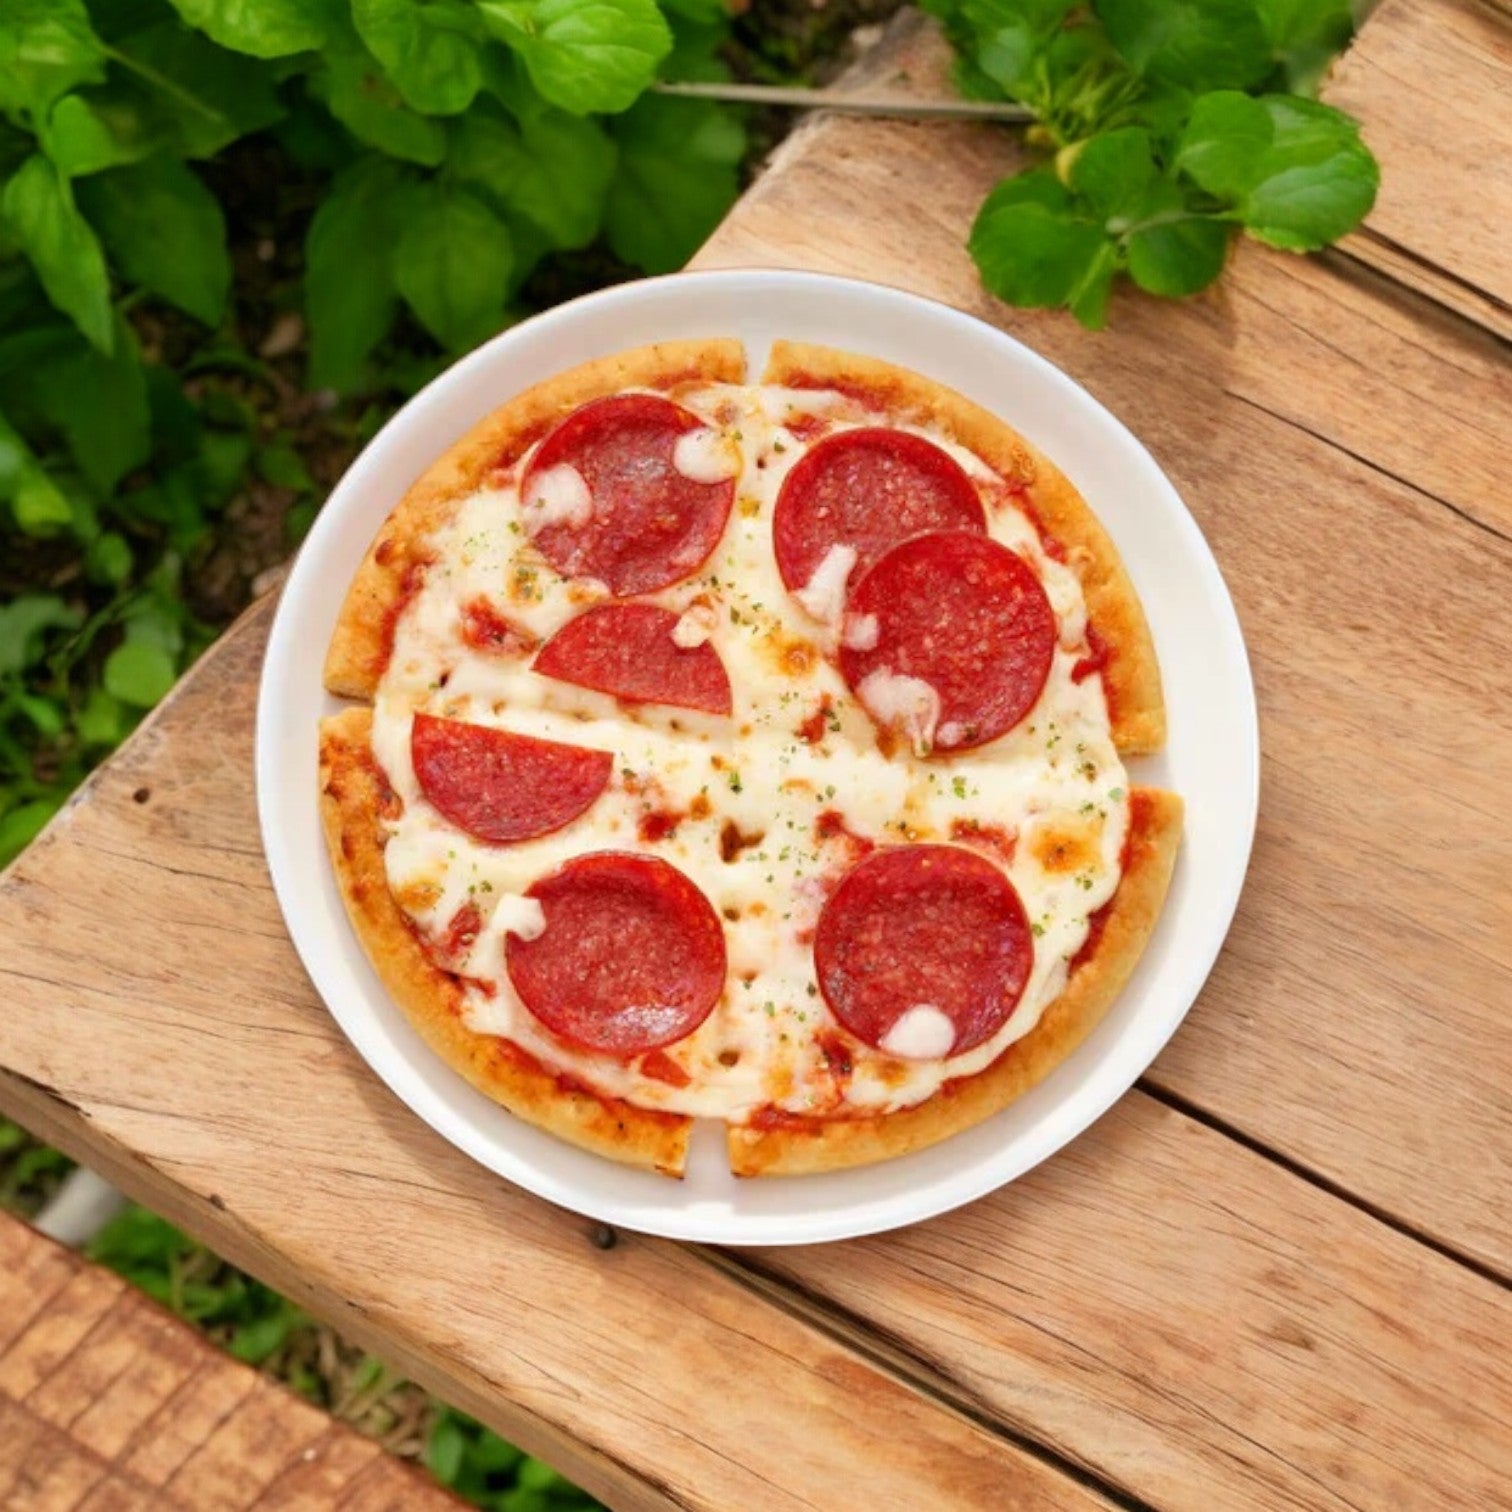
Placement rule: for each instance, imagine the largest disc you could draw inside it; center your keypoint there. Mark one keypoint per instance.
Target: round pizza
(748, 751)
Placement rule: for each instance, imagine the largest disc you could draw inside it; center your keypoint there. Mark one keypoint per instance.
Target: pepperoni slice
(632, 956)
(923, 951)
(959, 643)
(499, 786)
(868, 489)
(628, 650)
(642, 522)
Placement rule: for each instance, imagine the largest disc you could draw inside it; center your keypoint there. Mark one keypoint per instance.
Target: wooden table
(1274, 1275)
(110, 1404)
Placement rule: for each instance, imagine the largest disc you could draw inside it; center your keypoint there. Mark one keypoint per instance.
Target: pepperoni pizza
(749, 751)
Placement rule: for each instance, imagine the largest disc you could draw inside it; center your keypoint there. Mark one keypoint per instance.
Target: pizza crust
(798, 1146)
(1136, 706)
(363, 638)
(353, 795)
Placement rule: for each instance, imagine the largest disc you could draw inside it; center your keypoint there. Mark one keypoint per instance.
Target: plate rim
(405, 1080)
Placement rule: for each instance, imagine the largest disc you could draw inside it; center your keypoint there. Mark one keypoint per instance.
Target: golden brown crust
(353, 796)
(798, 1147)
(1132, 676)
(364, 631)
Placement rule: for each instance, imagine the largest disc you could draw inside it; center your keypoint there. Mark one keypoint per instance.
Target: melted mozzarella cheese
(908, 704)
(923, 1033)
(559, 496)
(862, 632)
(705, 456)
(694, 627)
(519, 916)
(824, 593)
(746, 796)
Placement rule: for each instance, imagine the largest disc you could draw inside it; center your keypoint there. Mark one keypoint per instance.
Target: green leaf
(1031, 246)
(108, 559)
(1224, 141)
(20, 826)
(98, 402)
(1089, 300)
(40, 212)
(445, 1449)
(537, 1475)
(101, 722)
(452, 265)
(553, 169)
(1113, 172)
(436, 69)
(1010, 36)
(79, 139)
(1297, 170)
(253, 1341)
(45, 716)
(283, 467)
(587, 56)
(1317, 180)
(362, 98)
(349, 316)
(138, 673)
(1306, 35)
(38, 505)
(184, 93)
(678, 175)
(701, 12)
(24, 623)
(262, 28)
(1198, 44)
(143, 211)
(1178, 258)
(46, 48)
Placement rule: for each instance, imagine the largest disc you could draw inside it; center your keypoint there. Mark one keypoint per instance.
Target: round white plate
(1212, 758)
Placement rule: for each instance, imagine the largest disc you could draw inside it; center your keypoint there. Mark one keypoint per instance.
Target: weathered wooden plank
(87, 1365)
(1354, 1020)
(1430, 80)
(1229, 1339)
(1363, 544)
(207, 1078)
(631, 1345)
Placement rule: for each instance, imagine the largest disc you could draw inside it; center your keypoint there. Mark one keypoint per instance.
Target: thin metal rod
(850, 104)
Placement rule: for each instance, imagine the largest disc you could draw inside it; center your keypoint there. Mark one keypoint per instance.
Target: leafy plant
(1172, 126)
(450, 147)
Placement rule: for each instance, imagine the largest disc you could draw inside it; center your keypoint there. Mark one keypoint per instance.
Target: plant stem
(850, 104)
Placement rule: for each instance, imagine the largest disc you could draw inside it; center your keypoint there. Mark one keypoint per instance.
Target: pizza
(749, 751)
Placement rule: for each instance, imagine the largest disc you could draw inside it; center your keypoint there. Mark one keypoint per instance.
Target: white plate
(1212, 759)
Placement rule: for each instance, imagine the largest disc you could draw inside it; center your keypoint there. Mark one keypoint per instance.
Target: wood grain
(1229, 1339)
(107, 1401)
(1339, 441)
(1429, 79)
(1160, 1310)
(204, 1076)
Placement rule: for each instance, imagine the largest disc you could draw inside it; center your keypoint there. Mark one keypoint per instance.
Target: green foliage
(452, 264)
(584, 55)
(455, 143)
(164, 231)
(478, 1465)
(38, 209)
(1174, 124)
